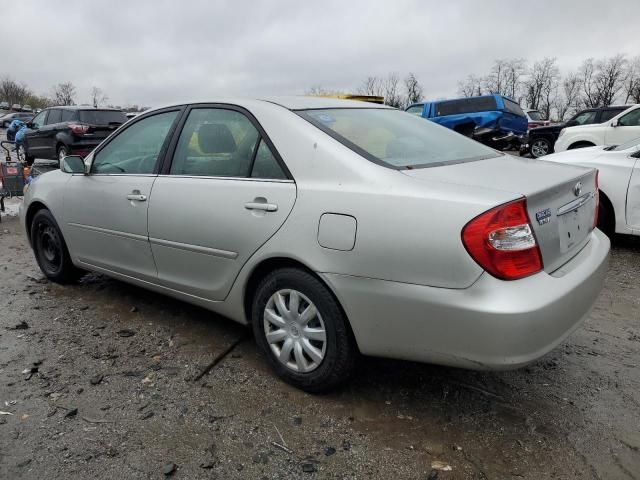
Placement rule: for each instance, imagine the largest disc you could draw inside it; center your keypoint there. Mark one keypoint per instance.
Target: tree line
(62, 94)
(540, 86)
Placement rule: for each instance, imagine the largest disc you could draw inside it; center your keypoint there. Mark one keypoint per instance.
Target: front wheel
(302, 331)
(51, 250)
(540, 147)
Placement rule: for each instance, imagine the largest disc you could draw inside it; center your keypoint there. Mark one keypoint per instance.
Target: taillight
(502, 242)
(78, 128)
(533, 125)
(597, 197)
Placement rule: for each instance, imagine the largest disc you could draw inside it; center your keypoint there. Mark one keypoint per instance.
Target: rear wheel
(51, 250)
(302, 331)
(540, 147)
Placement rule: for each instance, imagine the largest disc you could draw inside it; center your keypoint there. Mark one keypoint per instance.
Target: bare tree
(64, 94)
(632, 81)
(541, 82)
(98, 97)
(470, 86)
(13, 92)
(602, 80)
(569, 100)
(392, 95)
(372, 85)
(414, 89)
(505, 77)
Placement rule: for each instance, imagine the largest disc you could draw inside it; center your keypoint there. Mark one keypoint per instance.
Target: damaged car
(333, 228)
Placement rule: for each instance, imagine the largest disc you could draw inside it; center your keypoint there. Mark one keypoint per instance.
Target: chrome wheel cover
(295, 331)
(539, 148)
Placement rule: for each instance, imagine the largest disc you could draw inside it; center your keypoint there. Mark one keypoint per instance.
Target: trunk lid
(561, 199)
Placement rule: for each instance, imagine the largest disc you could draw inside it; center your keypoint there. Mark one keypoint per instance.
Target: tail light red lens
(597, 198)
(78, 129)
(502, 242)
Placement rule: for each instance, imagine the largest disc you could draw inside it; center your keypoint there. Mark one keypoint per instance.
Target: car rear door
(105, 212)
(623, 129)
(224, 194)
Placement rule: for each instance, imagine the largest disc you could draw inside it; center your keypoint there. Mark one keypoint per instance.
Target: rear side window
(54, 116)
(265, 165)
(215, 142)
(135, 150)
(69, 116)
(102, 117)
(465, 105)
(513, 107)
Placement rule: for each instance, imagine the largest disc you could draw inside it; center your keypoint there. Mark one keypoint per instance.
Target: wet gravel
(104, 380)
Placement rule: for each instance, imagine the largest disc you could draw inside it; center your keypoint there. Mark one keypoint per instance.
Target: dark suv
(60, 131)
(542, 139)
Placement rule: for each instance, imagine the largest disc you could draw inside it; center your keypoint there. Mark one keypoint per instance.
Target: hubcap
(539, 148)
(295, 330)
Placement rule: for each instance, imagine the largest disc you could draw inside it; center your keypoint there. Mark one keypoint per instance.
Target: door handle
(137, 197)
(267, 207)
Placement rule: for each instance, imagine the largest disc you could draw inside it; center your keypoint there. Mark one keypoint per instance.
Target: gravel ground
(104, 380)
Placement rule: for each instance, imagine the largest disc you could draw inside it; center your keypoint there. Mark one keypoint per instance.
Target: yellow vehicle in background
(361, 98)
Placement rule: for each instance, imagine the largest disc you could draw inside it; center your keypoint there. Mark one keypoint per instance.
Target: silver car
(333, 228)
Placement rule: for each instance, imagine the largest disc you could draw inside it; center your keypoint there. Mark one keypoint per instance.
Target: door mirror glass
(29, 124)
(72, 164)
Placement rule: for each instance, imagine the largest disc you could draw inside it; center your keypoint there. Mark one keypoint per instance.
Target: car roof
(83, 107)
(289, 102)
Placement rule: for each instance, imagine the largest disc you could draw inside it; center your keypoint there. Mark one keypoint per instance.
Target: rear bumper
(491, 325)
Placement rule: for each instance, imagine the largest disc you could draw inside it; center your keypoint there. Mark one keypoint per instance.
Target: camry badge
(577, 189)
(543, 216)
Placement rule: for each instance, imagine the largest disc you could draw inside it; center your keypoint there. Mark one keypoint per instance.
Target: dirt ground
(104, 380)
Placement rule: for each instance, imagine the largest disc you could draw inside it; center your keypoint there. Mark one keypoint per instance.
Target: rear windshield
(465, 105)
(513, 107)
(102, 117)
(535, 115)
(396, 139)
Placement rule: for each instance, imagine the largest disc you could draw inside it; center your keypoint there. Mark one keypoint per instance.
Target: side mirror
(29, 124)
(73, 164)
(615, 124)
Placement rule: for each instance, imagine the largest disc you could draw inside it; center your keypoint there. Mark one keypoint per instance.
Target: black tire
(606, 217)
(540, 147)
(62, 152)
(51, 250)
(340, 351)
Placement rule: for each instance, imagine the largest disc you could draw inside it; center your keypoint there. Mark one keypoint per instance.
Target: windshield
(396, 139)
(535, 115)
(102, 117)
(630, 144)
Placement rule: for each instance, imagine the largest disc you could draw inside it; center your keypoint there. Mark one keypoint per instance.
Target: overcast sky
(154, 52)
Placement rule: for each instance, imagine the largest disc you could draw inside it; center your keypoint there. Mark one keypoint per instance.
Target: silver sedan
(334, 228)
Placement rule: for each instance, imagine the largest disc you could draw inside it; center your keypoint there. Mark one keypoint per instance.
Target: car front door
(624, 129)
(225, 193)
(33, 137)
(106, 210)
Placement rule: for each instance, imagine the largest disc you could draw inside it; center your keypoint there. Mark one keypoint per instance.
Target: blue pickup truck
(494, 120)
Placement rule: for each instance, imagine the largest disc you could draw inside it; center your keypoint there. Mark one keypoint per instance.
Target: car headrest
(216, 138)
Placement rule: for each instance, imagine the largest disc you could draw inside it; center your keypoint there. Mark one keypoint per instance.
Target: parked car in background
(27, 108)
(60, 131)
(541, 140)
(494, 120)
(618, 181)
(332, 227)
(4, 105)
(622, 128)
(16, 107)
(6, 120)
(535, 119)
(131, 115)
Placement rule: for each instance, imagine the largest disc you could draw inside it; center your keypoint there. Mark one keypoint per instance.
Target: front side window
(136, 149)
(38, 120)
(607, 115)
(55, 116)
(215, 142)
(416, 109)
(631, 119)
(395, 139)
